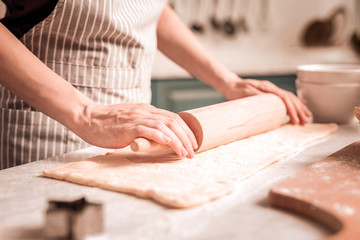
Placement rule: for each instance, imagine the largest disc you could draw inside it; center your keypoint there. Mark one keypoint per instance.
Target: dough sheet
(183, 183)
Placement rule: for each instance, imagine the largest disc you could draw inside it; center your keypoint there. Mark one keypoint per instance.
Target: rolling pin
(226, 122)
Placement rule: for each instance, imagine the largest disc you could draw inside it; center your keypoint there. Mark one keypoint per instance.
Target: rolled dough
(183, 183)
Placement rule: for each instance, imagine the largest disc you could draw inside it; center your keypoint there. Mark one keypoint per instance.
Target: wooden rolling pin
(226, 122)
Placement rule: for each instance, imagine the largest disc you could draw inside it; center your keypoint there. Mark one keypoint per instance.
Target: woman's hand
(116, 126)
(239, 88)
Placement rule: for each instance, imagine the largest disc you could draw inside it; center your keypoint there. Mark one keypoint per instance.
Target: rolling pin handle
(145, 145)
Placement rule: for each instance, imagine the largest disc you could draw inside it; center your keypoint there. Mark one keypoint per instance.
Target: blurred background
(262, 39)
(270, 36)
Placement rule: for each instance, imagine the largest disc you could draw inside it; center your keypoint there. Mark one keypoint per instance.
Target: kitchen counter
(244, 214)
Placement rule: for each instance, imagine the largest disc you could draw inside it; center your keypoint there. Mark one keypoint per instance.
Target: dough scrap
(183, 183)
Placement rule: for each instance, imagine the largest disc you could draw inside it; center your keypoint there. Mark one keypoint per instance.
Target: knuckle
(248, 92)
(138, 129)
(177, 117)
(137, 111)
(291, 94)
(158, 124)
(171, 122)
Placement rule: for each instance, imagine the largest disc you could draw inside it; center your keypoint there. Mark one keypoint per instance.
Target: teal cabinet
(177, 95)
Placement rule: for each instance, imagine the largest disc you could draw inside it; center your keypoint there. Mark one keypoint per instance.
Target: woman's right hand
(116, 126)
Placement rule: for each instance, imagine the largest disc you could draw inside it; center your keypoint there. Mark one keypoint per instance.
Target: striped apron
(104, 48)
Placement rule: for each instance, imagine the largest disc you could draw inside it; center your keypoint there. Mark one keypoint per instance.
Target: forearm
(31, 80)
(177, 42)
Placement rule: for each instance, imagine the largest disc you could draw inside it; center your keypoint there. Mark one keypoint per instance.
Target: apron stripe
(111, 44)
(56, 40)
(88, 39)
(47, 129)
(117, 42)
(2, 130)
(66, 32)
(95, 57)
(40, 42)
(31, 44)
(37, 141)
(105, 25)
(2, 160)
(15, 133)
(79, 15)
(54, 134)
(31, 138)
(85, 26)
(22, 141)
(49, 35)
(8, 136)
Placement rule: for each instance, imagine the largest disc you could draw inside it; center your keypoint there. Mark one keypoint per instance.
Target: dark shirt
(22, 15)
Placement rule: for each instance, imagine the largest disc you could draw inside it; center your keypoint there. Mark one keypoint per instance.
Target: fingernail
(191, 154)
(183, 152)
(195, 145)
(295, 121)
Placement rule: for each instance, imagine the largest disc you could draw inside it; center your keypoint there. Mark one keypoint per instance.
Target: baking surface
(243, 214)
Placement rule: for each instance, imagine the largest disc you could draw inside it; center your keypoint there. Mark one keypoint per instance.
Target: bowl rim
(350, 84)
(330, 67)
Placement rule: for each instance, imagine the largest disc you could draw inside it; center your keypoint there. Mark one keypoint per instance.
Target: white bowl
(330, 102)
(329, 73)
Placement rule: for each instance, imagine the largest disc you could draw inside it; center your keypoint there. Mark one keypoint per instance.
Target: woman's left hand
(239, 88)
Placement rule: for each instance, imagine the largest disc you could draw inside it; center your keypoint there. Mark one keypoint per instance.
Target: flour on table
(183, 183)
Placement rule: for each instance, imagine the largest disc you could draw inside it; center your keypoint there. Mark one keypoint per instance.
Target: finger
(185, 128)
(301, 110)
(307, 111)
(183, 137)
(298, 106)
(176, 125)
(295, 108)
(161, 134)
(178, 130)
(171, 128)
(291, 109)
(305, 108)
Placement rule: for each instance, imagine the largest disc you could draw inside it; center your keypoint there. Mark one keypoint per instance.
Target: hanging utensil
(197, 25)
(229, 25)
(321, 32)
(263, 15)
(242, 23)
(216, 20)
(355, 38)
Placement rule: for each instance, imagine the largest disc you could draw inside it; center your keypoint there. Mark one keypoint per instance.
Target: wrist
(227, 81)
(80, 114)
